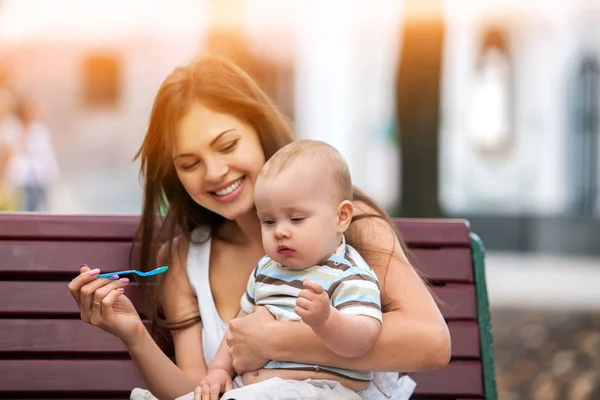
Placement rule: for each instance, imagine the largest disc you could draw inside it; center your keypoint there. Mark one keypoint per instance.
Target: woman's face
(217, 158)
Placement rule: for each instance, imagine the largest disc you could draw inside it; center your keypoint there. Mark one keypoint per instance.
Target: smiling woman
(223, 150)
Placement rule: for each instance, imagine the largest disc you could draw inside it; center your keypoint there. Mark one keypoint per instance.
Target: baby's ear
(345, 211)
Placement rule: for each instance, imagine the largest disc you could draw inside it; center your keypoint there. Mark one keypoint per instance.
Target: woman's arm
(413, 336)
(164, 378)
(102, 304)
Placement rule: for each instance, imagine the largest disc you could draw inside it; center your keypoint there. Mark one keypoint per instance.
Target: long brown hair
(168, 210)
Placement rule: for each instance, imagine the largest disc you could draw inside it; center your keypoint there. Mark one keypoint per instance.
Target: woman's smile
(230, 191)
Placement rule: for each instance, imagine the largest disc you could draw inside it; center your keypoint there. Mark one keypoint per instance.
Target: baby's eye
(268, 222)
(297, 219)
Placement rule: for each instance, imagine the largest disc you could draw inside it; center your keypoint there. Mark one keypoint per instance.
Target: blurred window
(101, 81)
(491, 125)
(584, 164)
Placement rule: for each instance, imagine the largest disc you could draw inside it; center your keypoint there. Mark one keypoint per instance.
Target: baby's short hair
(323, 156)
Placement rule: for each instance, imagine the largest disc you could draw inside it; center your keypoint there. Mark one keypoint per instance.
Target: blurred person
(10, 129)
(210, 132)
(34, 166)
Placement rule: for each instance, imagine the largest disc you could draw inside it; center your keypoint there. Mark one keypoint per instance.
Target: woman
(211, 130)
(34, 167)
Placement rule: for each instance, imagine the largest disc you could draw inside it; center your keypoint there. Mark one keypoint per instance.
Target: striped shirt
(350, 283)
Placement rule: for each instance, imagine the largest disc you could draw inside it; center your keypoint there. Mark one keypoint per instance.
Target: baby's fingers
(313, 286)
(198, 393)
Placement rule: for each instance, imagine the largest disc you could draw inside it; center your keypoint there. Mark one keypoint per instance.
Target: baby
(303, 197)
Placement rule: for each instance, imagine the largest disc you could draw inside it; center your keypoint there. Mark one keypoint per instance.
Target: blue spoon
(156, 271)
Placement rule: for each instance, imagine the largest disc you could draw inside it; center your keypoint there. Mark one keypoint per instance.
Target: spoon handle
(109, 274)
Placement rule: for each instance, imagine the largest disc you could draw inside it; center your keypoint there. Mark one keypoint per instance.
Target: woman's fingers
(104, 298)
(87, 293)
(84, 268)
(106, 305)
(86, 275)
(228, 386)
(229, 337)
(103, 291)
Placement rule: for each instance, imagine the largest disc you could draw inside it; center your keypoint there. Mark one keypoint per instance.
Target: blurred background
(484, 109)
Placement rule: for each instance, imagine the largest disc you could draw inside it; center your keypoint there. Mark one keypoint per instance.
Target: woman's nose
(215, 171)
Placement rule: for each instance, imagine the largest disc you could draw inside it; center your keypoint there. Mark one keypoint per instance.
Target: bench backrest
(47, 352)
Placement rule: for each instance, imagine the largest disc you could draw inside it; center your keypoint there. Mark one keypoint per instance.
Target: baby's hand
(217, 381)
(312, 304)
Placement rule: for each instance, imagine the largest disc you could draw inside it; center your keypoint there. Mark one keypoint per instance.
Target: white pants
(274, 389)
(285, 389)
(385, 386)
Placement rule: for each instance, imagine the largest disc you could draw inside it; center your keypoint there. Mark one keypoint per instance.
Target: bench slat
(465, 339)
(71, 336)
(433, 233)
(447, 264)
(58, 226)
(461, 378)
(29, 298)
(37, 299)
(14, 226)
(62, 258)
(59, 336)
(85, 376)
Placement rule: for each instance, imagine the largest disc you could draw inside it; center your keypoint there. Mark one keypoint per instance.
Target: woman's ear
(345, 210)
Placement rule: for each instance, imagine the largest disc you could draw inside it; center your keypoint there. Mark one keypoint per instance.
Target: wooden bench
(47, 352)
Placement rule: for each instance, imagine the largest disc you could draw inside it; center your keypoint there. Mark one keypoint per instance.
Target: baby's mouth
(284, 249)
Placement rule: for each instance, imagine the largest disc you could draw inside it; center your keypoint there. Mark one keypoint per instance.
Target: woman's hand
(248, 343)
(101, 303)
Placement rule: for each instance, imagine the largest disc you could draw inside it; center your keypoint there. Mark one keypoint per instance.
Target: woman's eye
(229, 146)
(189, 166)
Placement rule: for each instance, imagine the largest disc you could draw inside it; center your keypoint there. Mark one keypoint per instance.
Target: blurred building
(518, 134)
(519, 137)
(95, 68)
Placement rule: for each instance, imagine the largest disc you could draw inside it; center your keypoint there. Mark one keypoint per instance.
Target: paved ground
(546, 326)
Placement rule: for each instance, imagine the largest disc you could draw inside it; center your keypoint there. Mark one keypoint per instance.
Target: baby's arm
(220, 372)
(345, 334)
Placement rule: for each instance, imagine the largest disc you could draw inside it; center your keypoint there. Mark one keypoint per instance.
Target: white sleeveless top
(384, 386)
(198, 261)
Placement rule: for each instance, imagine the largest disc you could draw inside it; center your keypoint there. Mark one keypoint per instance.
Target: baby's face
(298, 217)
